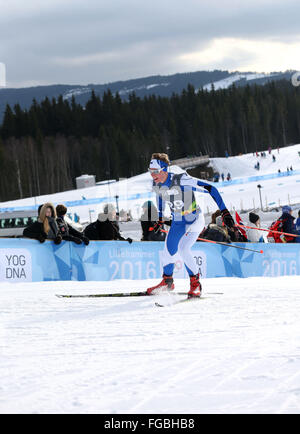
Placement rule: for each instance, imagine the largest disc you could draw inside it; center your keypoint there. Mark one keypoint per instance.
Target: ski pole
(220, 242)
(229, 245)
(268, 230)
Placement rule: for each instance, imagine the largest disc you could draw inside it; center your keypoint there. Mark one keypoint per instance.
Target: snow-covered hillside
(243, 165)
(227, 82)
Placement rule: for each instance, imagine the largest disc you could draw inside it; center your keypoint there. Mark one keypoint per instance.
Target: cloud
(70, 41)
(245, 55)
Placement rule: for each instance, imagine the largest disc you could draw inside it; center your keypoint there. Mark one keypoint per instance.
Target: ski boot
(165, 285)
(195, 287)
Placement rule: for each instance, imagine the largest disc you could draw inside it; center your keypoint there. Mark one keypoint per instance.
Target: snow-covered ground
(233, 353)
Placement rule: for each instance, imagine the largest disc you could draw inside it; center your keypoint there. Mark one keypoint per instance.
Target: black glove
(57, 239)
(41, 238)
(129, 240)
(158, 225)
(86, 240)
(227, 219)
(77, 240)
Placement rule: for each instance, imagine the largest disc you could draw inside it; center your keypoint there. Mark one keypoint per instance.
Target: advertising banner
(24, 260)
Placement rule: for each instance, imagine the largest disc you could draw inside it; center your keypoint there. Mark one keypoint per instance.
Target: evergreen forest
(45, 147)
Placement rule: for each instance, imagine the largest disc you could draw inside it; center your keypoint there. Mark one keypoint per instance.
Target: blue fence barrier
(256, 178)
(23, 260)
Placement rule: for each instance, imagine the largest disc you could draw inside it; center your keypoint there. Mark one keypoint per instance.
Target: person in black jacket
(148, 222)
(217, 232)
(45, 227)
(105, 227)
(67, 232)
(288, 225)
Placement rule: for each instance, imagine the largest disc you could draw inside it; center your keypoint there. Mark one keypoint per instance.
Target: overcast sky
(101, 41)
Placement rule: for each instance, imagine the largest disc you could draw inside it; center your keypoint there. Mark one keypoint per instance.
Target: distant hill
(162, 85)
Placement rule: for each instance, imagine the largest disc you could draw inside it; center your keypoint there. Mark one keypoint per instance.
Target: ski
(117, 294)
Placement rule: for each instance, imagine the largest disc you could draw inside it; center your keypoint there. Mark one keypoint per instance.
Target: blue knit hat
(286, 209)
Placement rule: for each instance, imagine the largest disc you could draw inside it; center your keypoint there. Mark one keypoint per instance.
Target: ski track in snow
(233, 353)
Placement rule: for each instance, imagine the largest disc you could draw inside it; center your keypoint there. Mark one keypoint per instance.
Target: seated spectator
(67, 232)
(255, 235)
(148, 221)
(216, 231)
(45, 227)
(212, 222)
(214, 216)
(105, 227)
(298, 222)
(286, 224)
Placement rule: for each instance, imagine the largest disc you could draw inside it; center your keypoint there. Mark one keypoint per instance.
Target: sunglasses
(155, 171)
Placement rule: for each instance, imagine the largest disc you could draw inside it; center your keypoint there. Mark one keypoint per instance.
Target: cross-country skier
(177, 190)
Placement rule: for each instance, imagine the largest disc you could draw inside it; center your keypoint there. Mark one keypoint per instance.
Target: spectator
(148, 221)
(254, 235)
(67, 232)
(298, 222)
(228, 176)
(45, 227)
(105, 227)
(284, 224)
(216, 231)
(223, 176)
(288, 224)
(216, 177)
(214, 217)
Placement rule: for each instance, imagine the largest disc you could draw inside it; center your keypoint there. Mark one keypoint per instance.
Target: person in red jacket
(286, 224)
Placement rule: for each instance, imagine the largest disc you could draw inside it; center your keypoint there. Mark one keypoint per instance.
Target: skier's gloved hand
(129, 240)
(158, 225)
(227, 218)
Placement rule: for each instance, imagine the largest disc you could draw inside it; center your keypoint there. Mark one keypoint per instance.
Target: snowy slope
(229, 81)
(243, 165)
(233, 353)
(282, 190)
